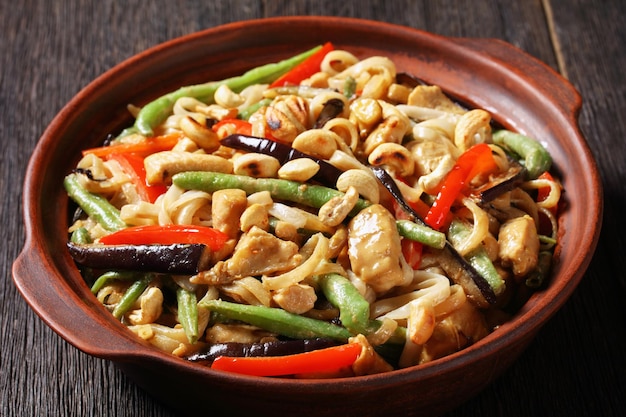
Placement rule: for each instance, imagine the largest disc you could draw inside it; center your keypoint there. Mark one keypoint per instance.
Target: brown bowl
(522, 94)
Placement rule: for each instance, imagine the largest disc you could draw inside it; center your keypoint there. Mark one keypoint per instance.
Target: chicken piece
(257, 253)
(374, 249)
(226, 209)
(432, 97)
(461, 328)
(519, 245)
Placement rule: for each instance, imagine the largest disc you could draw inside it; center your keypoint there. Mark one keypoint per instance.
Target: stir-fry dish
(322, 216)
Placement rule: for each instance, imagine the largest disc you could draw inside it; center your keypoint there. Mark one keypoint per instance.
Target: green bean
(131, 295)
(155, 112)
(477, 258)
(244, 114)
(97, 207)
(421, 233)
(188, 313)
(541, 272)
(81, 236)
(307, 194)
(277, 320)
(537, 160)
(112, 276)
(354, 310)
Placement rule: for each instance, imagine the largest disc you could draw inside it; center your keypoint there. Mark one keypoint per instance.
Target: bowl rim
(514, 330)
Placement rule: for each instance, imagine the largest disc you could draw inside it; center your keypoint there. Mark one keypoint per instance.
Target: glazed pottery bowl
(522, 94)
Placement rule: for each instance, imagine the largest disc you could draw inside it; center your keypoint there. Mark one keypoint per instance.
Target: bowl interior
(521, 93)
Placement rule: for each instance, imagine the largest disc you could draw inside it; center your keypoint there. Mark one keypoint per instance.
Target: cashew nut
(151, 303)
(395, 156)
(393, 128)
(161, 166)
(363, 181)
(256, 165)
(225, 97)
(301, 169)
(337, 208)
(204, 137)
(473, 123)
(319, 143)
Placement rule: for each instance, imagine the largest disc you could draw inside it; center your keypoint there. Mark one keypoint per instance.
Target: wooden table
(576, 366)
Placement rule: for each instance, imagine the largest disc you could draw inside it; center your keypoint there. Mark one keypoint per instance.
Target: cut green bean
(81, 236)
(244, 114)
(188, 313)
(155, 112)
(354, 310)
(421, 233)
(277, 320)
(131, 295)
(97, 207)
(537, 160)
(306, 194)
(105, 278)
(477, 258)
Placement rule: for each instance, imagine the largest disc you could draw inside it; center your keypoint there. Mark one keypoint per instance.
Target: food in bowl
(323, 216)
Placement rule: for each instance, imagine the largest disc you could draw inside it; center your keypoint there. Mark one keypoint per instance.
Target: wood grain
(50, 50)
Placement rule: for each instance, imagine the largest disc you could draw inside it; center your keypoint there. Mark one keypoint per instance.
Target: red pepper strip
(412, 252)
(544, 192)
(167, 235)
(239, 126)
(476, 160)
(143, 148)
(132, 164)
(305, 69)
(322, 360)
(411, 249)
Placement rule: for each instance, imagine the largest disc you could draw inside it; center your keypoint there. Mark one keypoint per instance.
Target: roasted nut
(225, 97)
(362, 181)
(203, 136)
(161, 166)
(473, 123)
(392, 129)
(337, 209)
(395, 156)
(318, 143)
(256, 165)
(301, 169)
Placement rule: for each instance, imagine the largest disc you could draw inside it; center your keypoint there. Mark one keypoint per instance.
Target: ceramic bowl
(521, 93)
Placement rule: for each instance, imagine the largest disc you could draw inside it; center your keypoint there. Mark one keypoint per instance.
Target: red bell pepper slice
(167, 235)
(143, 148)
(476, 160)
(133, 165)
(322, 360)
(305, 69)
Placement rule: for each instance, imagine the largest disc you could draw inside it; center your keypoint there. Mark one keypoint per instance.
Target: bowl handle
(544, 78)
(73, 320)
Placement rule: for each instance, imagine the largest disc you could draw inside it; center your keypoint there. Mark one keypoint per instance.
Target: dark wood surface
(576, 366)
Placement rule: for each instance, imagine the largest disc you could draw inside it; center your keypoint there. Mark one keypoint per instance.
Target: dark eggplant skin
(327, 174)
(502, 184)
(332, 108)
(181, 258)
(273, 348)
